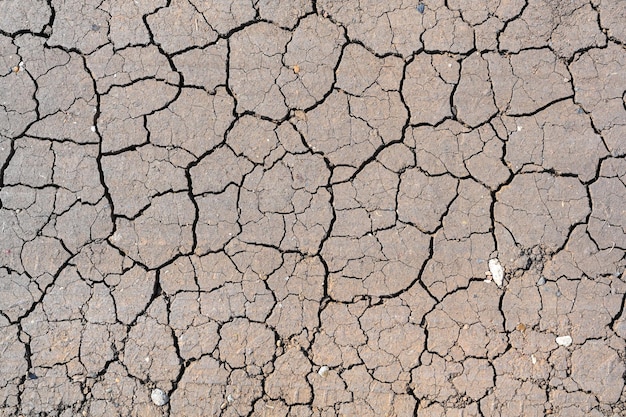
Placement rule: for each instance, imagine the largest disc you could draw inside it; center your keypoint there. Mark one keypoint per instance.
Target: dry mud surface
(289, 208)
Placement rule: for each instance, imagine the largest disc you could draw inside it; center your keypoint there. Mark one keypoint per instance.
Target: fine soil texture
(312, 208)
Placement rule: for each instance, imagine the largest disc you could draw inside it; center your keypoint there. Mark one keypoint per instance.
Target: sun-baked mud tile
(340, 335)
(469, 213)
(360, 69)
(285, 13)
(473, 96)
(599, 83)
(487, 166)
(135, 177)
(582, 256)
(132, 291)
(380, 263)
(122, 109)
(389, 27)
(126, 26)
(150, 353)
(160, 233)
(217, 220)
(225, 16)
(100, 308)
(19, 107)
(476, 379)
(601, 376)
(82, 224)
(76, 123)
(611, 14)
(394, 343)
(179, 26)
(376, 397)
(606, 224)
(423, 200)
(19, 16)
(486, 34)
(589, 318)
(448, 31)
(256, 55)
(20, 294)
(30, 151)
(426, 92)
(24, 213)
(51, 342)
(110, 67)
(256, 337)
(205, 66)
(131, 396)
(514, 397)
(558, 138)
(519, 301)
(14, 365)
(383, 110)
(532, 28)
(577, 31)
(243, 391)
(76, 170)
(455, 262)
(298, 286)
(43, 255)
(288, 197)
(97, 349)
(525, 82)
(82, 26)
(328, 390)
(477, 12)
(310, 60)
(444, 149)
(196, 334)
(288, 381)
(79, 85)
(432, 380)
(201, 388)
(343, 138)
(253, 138)
(53, 389)
(196, 121)
(579, 402)
(445, 323)
(97, 260)
(217, 170)
(69, 290)
(550, 207)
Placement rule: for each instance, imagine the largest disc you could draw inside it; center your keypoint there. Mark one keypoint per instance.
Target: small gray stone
(159, 397)
(541, 281)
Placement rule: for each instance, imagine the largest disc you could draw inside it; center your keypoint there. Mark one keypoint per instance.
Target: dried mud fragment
(179, 26)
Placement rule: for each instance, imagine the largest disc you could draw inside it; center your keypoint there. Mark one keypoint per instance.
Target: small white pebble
(159, 397)
(533, 359)
(323, 371)
(564, 341)
(497, 272)
(93, 128)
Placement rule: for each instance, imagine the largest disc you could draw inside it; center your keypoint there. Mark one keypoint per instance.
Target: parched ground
(300, 207)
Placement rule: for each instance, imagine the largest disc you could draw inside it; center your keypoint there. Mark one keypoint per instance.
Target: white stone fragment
(497, 272)
(564, 341)
(159, 397)
(323, 371)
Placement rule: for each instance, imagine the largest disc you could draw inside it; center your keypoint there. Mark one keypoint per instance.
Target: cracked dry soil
(288, 207)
